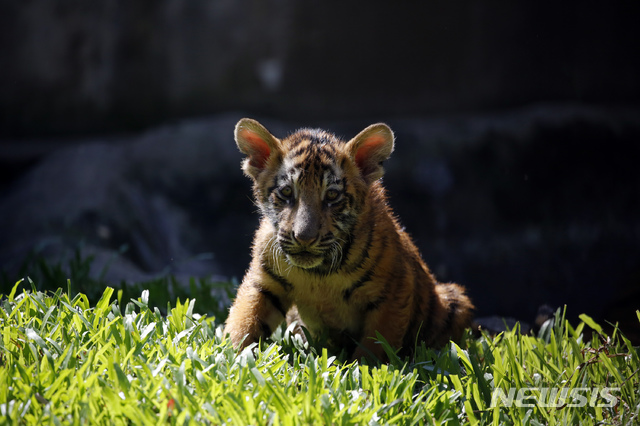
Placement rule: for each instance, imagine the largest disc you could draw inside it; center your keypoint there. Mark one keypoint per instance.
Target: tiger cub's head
(312, 186)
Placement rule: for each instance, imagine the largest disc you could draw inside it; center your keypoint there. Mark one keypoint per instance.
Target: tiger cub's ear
(370, 148)
(258, 144)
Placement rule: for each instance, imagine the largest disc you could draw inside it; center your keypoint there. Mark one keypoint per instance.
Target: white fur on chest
(321, 303)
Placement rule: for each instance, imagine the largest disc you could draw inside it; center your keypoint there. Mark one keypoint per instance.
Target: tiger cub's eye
(286, 191)
(331, 195)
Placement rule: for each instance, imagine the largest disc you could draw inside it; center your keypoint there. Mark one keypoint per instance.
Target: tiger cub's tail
(457, 313)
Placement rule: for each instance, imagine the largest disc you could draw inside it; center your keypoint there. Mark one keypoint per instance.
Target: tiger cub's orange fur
(330, 247)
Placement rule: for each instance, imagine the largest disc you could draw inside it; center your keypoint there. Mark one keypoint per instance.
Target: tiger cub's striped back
(330, 251)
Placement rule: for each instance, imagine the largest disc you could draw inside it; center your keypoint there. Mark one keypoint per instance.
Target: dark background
(517, 129)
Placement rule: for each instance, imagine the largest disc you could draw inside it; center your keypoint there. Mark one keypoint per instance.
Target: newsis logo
(554, 397)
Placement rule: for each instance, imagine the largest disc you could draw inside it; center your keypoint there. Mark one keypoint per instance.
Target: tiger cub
(330, 247)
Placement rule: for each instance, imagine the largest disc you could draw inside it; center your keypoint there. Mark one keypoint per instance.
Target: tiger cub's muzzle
(309, 253)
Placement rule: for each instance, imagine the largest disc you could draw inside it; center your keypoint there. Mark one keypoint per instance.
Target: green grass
(67, 360)
(212, 297)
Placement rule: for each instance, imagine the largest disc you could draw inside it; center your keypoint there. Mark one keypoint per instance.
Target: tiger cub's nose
(306, 228)
(305, 237)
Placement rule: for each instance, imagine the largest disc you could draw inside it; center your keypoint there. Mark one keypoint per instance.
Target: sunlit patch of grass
(65, 360)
